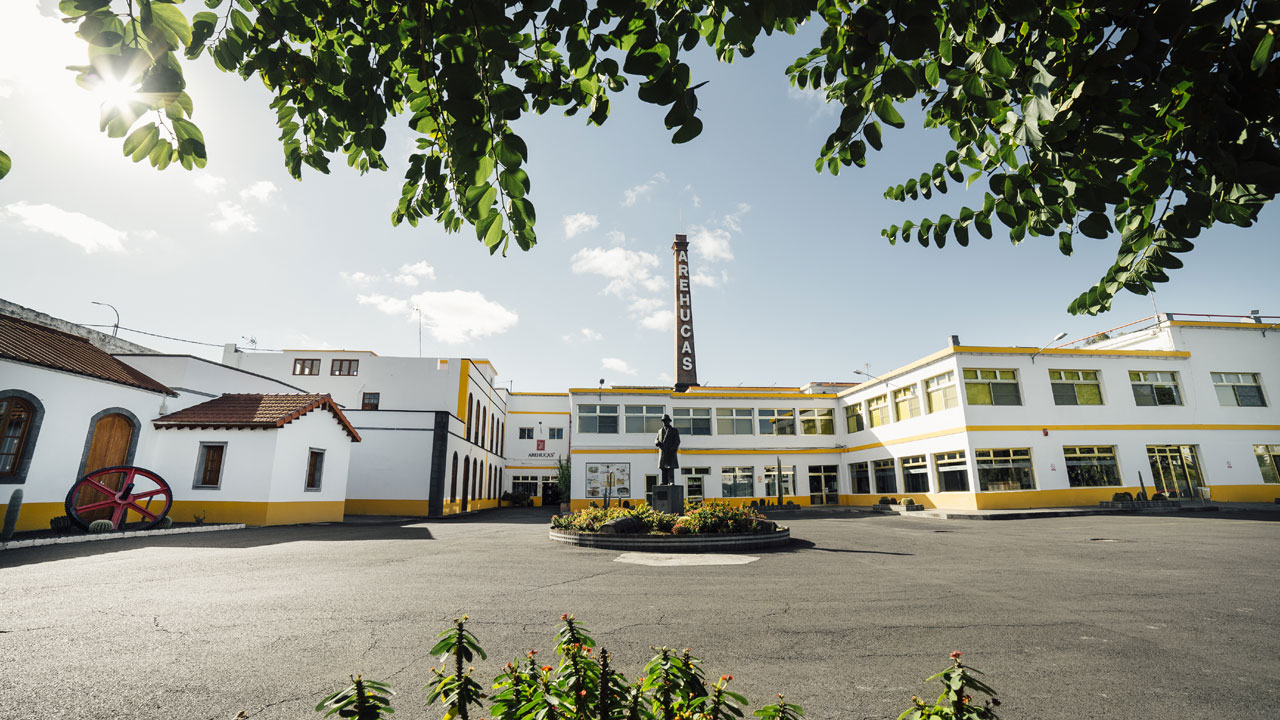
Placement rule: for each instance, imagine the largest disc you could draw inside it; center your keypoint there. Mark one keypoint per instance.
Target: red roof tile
(253, 410)
(34, 344)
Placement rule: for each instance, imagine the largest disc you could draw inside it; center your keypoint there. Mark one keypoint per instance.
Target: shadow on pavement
(798, 545)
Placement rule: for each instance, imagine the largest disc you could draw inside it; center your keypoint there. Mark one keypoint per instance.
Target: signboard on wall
(614, 476)
(542, 445)
(686, 364)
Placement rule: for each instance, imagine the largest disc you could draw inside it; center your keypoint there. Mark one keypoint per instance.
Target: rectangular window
(555, 433)
(915, 474)
(315, 470)
(692, 421)
(1268, 462)
(1155, 388)
(527, 484)
(771, 480)
(735, 482)
(776, 421)
(1090, 466)
(526, 433)
(953, 473)
(886, 478)
(878, 411)
(369, 401)
(309, 366)
(1075, 387)
(734, 421)
(991, 387)
(817, 421)
(1238, 389)
(601, 419)
(941, 392)
(860, 478)
(906, 403)
(853, 418)
(1005, 469)
(823, 487)
(694, 477)
(209, 465)
(345, 367)
(643, 418)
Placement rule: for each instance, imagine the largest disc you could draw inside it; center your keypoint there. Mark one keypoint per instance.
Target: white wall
(318, 430)
(199, 380)
(247, 463)
(393, 459)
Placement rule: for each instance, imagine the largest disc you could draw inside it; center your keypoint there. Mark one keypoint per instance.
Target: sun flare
(116, 93)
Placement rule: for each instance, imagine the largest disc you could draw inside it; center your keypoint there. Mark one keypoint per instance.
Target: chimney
(686, 362)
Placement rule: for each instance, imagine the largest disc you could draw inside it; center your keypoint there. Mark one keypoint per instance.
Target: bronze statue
(667, 442)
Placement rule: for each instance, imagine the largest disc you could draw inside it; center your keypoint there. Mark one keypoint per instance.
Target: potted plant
(564, 483)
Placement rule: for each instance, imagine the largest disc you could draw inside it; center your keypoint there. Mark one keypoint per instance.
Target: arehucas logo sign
(686, 362)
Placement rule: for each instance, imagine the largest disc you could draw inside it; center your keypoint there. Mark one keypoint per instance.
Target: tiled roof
(26, 342)
(253, 410)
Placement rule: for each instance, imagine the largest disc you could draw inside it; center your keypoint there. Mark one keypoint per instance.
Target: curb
(946, 515)
(676, 543)
(72, 539)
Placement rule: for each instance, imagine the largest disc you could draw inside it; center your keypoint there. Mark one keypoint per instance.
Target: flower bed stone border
(1137, 504)
(726, 542)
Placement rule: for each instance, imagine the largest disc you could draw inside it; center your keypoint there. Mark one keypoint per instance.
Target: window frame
(1155, 384)
(910, 468)
(1264, 454)
(524, 433)
(344, 367)
(555, 433)
(688, 420)
(26, 445)
(951, 461)
(770, 474)
(595, 415)
(875, 407)
(695, 474)
(817, 421)
(910, 397)
(202, 462)
(310, 367)
(865, 475)
(775, 418)
(648, 417)
(990, 464)
(940, 384)
(734, 419)
(1075, 384)
(732, 476)
(314, 469)
(1223, 384)
(884, 463)
(853, 420)
(1079, 452)
(991, 384)
(365, 398)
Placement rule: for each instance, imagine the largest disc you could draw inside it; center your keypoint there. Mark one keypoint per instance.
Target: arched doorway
(112, 441)
(453, 482)
(466, 482)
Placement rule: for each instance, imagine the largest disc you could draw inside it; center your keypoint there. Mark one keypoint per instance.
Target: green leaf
(996, 62)
(1064, 243)
(6, 164)
(688, 131)
(143, 136)
(887, 112)
(1262, 55)
(172, 21)
(1096, 226)
(896, 81)
(872, 133)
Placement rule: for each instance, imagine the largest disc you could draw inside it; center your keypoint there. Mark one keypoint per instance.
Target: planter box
(1137, 504)
(727, 542)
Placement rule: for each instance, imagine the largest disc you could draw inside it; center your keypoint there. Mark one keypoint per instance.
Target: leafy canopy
(1149, 121)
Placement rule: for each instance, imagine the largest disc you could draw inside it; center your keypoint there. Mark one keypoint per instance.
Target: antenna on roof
(251, 341)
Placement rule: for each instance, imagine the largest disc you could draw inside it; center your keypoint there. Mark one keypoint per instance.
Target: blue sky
(795, 282)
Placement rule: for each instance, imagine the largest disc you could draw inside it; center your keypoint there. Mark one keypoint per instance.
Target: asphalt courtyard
(1083, 617)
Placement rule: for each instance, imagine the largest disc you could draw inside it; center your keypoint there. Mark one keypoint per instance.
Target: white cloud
(590, 334)
(458, 316)
(815, 99)
(210, 184)
(643, 306)
(231, 216)
(357, 279)
(625, 268)
(635, 193)
(665, 378)
(711, 244)
(90, 234)
(707, 280)
(733, 219)
(579, 223)
(617, 365)
(260, 190)
(660, 320)
(409, 275)
(616, 238)
(388, 305)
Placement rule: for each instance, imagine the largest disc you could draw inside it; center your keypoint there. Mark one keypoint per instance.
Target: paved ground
(1089, 617)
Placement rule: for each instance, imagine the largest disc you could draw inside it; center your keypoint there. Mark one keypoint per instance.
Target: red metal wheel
(132, 498)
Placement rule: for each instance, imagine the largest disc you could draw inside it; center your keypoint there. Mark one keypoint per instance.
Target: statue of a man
(667, 442)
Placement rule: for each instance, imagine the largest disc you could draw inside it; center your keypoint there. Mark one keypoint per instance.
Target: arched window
(484, 427)
(502, 440)
(20, 416)
(470, 404)
(453, 484)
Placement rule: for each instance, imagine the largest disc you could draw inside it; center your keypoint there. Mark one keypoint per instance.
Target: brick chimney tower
(686, 361)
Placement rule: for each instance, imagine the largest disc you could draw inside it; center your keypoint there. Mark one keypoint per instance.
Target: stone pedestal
(667, 499)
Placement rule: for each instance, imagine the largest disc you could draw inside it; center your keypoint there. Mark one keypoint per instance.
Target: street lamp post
(115, 329)
(1055, 339)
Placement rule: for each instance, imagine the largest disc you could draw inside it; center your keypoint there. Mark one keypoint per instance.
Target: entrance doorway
(1175, 470)
(823, 489)
(108, 447)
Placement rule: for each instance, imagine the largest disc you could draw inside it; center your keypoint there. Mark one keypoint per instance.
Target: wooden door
(109, 447)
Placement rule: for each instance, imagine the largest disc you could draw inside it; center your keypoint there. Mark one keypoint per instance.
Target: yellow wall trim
(1213, 324)
(703, 396)
(538, 394)
(464, 383)
(36, 516)
(1038, 428)
(1259, 493)
(538, 412)
(907, 439)
(983, 350)
(371, 506)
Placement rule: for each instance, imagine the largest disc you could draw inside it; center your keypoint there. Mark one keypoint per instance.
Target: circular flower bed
(704, 527)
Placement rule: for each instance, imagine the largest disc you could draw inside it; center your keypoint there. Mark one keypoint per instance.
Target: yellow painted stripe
(702, 396)
(371, 506)
(1038, 428)
(1264, 493)
(538, 412)
(464, 383)
(906, 439)
(537, 394)
(36, 516)
(708, 451)
(1212, 324)
(1070, 351)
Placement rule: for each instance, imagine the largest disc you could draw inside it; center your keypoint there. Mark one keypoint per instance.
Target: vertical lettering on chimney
(686, 364)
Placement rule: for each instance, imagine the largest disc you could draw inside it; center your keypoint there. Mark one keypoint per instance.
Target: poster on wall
(614, 476)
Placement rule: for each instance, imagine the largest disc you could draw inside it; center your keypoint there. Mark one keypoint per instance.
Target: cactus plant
(62, 523)
(908, 501)
(165, 523)
(11, 515)
(101, 526)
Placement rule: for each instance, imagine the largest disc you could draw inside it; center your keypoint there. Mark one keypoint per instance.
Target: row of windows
(311, 366)
(483, 430)
(477, 483)
(1175, 472)
(555, 433)
(212, 456)
(647, 419)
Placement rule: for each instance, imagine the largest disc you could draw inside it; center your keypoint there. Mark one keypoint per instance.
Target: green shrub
(580, 684)
(1158, 496)
(1122, 497)
(888, 501)
(908, 501)
(712, 517)
(701, 519)
(101, 526)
